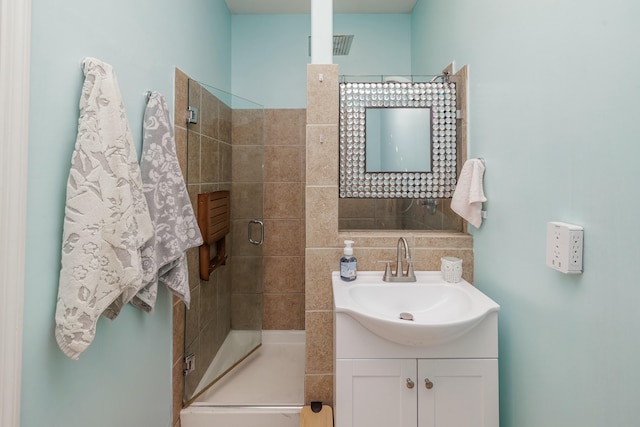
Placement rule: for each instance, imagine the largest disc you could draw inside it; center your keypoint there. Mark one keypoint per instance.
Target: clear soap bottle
(348, 263)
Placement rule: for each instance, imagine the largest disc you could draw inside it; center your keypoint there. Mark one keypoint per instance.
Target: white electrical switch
(564, 247)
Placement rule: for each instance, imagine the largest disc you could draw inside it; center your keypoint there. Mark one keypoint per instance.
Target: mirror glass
(398, 139)
(421, 116)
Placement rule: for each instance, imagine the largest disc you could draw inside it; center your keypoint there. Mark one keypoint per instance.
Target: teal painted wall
(553, 98)
(124, 378)
(270, 53)
(381, 44)
(553, 106)
(269, 56)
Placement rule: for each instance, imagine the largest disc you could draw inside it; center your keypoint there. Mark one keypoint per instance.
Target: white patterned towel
(106, 216)
(164, 256)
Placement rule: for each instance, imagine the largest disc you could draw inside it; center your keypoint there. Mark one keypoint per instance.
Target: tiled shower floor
(265, 390)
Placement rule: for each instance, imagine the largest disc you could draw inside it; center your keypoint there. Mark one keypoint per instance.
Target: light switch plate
(564, 247)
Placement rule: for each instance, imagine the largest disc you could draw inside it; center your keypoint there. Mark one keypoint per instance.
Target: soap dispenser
(348, 268)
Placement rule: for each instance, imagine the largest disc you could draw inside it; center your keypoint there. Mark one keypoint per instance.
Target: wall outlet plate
(564, 247)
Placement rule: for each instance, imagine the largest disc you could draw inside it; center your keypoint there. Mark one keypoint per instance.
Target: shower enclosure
(225, 152)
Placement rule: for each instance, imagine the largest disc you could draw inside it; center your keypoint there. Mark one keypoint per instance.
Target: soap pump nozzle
(348, 248)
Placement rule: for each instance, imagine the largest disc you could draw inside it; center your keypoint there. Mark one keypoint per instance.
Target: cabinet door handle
(428, 384)
(410, 384)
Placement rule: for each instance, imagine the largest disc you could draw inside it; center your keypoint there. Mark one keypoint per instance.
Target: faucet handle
(410, 271)
(387, 270)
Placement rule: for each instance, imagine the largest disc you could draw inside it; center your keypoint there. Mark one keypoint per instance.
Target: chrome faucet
(399, 275)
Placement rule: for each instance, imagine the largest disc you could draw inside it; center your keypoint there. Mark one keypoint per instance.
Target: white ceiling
(304, 6)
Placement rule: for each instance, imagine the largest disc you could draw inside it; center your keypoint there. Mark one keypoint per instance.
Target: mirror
(395, 139)
(422, 118)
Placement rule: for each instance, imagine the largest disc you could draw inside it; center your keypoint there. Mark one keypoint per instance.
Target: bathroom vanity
(439, 369)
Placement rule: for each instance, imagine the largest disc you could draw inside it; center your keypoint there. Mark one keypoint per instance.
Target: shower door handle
(250, 232)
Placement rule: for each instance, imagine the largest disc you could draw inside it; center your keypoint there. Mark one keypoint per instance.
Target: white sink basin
(440, 311)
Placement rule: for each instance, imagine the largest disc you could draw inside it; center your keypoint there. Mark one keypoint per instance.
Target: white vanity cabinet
(417, 392)
(423, 354)
(373, 379)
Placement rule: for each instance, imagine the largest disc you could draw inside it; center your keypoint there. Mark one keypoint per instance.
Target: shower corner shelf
(214, 222)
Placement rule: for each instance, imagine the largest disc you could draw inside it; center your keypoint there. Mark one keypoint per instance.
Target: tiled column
(322, 228)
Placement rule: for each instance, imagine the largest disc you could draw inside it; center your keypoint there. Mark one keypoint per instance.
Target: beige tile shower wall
(324, 242)
(247, 194)
(284, 177)
(281, 206)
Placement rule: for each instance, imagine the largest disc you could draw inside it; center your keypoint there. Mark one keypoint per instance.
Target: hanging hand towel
(469, 195)
(106, 215)
(164, 256)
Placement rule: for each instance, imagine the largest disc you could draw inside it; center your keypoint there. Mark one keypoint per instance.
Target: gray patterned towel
(164, 256)
(106, 218)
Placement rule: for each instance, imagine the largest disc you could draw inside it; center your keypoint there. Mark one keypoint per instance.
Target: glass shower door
(225, 152)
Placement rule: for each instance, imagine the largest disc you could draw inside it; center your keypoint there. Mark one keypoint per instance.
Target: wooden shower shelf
(214, 222)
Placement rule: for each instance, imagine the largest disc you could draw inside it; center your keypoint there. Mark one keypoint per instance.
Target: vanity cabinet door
(376, 393)
(457, 393)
